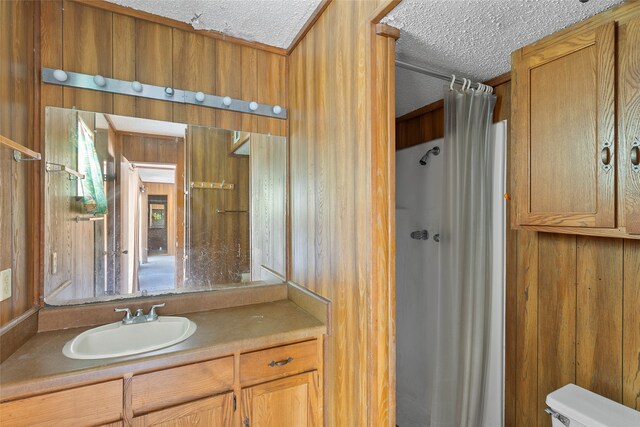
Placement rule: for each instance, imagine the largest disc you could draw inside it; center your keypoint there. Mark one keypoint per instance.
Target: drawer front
(169, 387)
(83, 406)
(278, 362)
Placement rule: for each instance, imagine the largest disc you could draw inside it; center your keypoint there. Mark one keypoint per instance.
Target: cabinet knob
(605, 157)
(635, 158)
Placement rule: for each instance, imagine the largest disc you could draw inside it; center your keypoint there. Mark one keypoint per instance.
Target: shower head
(435, 151)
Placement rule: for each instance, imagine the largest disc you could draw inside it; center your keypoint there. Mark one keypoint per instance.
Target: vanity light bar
(135, 88)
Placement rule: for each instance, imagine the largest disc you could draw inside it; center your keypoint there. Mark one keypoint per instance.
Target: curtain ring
(464, 83)
(453, 80)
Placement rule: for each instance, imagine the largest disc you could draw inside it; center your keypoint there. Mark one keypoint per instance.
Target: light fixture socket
(60, 75)
(99, 80)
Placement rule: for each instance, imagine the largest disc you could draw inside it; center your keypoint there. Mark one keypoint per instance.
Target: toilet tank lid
(591, 409)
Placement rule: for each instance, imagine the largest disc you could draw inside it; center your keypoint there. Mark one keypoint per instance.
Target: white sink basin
(116, 339)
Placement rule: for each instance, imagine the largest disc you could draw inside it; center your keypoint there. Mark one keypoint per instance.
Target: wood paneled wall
(572, 306)
(578, 320)
(17, 92)
(334, 186)
(268, 175)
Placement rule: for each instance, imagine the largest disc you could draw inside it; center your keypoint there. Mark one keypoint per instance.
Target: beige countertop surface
(39, 365)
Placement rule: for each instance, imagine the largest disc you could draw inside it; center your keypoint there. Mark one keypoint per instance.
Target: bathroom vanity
(261, 361)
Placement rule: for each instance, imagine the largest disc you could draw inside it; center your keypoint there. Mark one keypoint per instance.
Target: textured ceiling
(272, 22)
(471, 38)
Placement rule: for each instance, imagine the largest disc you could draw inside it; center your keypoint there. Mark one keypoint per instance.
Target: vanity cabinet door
(287, 402)
(216, 411)
(564, 131)
(629, 122)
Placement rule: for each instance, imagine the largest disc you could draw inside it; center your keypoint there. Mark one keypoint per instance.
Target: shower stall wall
(418, 196)
(418, 208)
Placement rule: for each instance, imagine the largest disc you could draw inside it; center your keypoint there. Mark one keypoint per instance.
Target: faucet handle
(152, 311)
(127, 317)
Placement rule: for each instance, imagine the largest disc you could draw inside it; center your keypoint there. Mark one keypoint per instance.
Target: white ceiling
(146, 126)
(471, 38)
(272, 22)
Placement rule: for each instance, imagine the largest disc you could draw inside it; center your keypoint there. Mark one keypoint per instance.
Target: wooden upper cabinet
(564, 127)
(629, 123)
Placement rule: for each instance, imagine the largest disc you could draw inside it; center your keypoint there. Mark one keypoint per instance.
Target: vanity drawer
(278, 362)
(83, 406)
(169, 387)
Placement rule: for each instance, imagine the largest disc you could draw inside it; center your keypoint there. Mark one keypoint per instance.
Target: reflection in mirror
(139, 207)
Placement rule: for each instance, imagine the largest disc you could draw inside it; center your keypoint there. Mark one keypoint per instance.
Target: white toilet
(573, 406)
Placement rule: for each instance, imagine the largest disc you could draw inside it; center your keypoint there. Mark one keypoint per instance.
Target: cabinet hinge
(234, 402)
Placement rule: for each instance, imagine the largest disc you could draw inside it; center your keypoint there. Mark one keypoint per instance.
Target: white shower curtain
(466, 243)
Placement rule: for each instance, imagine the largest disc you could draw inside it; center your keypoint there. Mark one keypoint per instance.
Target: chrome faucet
(139, 317)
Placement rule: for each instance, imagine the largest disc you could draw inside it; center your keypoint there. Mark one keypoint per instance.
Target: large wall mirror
(137, 207)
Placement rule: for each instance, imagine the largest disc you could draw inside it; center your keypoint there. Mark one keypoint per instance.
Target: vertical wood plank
(298, 175)
(556, 315)
(527, 330)
(599, 316)
(124, 61)
(631, 326)
(87, 49)
(16, 122)
(228, 81)
(154, 65)
(271, 90)
(249, 72)
(194, 68)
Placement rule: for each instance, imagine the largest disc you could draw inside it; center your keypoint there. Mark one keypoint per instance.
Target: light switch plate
(5, 284)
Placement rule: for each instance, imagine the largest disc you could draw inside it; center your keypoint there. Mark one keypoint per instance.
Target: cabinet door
(287, 402)
(629, 113)
(214, 411)
(564, 128)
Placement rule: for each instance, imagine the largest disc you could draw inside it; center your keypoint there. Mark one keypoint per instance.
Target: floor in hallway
(158, 273)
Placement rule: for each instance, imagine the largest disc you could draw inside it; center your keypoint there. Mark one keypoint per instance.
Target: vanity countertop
(39, 365)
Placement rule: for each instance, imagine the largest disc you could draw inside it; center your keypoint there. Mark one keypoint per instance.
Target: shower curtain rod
(427, 72)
